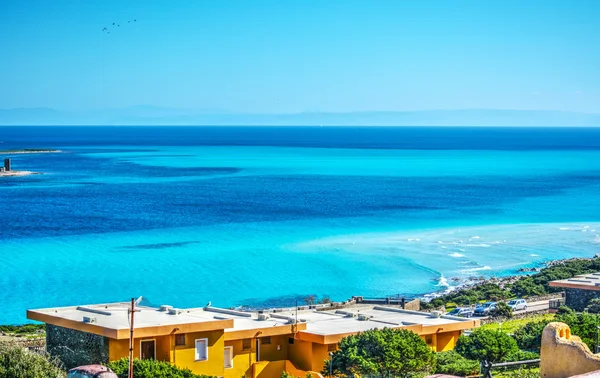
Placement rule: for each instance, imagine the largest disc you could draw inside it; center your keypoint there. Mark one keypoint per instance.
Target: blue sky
(295, 56)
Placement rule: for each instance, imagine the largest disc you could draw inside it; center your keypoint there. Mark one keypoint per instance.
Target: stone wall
(564, 355)
(75, 348)
(578, 299)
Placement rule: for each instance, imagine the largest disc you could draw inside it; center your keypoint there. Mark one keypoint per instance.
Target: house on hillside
(227, 343)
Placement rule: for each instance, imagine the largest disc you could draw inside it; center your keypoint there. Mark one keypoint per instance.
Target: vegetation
(526, 286)
(151, 369)
(511, 326)
(487, 345)
(520, 373)
(384, 352)
(594, 306)
(18, 362)
(23, 329)
(503, 310)
(453, 363)
(529, 336)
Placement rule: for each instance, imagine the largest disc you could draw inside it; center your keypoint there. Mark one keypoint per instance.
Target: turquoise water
(194, 217)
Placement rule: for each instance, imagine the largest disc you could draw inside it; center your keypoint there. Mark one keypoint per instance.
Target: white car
(518, 304)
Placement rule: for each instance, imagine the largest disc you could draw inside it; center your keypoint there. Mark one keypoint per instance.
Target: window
(228, 357)
(429, 340)
(265, 340)
(331, 347)
(246, 343)
(291, 340)
(179, 340)
(201, 349)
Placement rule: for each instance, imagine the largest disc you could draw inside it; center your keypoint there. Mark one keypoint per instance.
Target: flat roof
(590, 281)
(329, 326)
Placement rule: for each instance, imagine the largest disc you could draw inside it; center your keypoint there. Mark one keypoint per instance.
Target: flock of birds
(107, 30)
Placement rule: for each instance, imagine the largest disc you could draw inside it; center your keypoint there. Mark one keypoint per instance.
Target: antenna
(131, 312)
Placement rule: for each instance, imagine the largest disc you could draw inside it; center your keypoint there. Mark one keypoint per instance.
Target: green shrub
(583, 325)
(18, 362)
(529, 336)
(594, 306)
(382, 352)
(453, 363)
(151, 369)
(22, 329)
(487, 345)
(502, 309)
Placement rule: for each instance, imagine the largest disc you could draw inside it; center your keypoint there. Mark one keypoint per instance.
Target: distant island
(29, 151)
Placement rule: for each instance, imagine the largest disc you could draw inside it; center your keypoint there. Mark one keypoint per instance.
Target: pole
(330, 364)
(132, 310)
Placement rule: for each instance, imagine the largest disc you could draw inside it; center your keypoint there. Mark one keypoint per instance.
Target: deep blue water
(261, 216)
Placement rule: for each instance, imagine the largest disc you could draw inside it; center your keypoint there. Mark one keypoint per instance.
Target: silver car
(518, 304)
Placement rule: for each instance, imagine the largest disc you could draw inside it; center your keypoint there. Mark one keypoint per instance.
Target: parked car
(464, 312)
(484, 309)
(518, 304)
(91, 371)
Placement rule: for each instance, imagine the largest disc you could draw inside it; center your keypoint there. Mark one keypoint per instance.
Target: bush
(502, 309)
(529, 336)
(18, 362)
(594, 306)
(526, 287)
(454, 364)
(382, 352)
(582, 325)
(22, 329)
(487, 345)
(150, 369)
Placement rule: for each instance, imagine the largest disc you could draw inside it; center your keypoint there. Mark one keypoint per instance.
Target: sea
(267, 216)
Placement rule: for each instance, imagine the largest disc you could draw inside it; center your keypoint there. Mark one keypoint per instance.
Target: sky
(289, 56)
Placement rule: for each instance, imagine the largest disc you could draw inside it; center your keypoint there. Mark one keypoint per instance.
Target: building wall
(242, 359)
(578, 299)
(446, 341)
(184, 356)
(75, 348)
(120, 348)
(300, 353)
(563, 355)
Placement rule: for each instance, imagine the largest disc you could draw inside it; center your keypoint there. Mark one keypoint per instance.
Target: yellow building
(227, 343)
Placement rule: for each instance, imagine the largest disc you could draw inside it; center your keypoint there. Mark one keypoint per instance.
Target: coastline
(502, 282)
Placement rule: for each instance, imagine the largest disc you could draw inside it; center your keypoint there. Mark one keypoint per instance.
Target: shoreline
(471, 282)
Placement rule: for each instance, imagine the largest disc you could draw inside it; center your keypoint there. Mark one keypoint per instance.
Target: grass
(510, 326)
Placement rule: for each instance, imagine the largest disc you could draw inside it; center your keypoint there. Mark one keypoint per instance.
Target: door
(147, 349)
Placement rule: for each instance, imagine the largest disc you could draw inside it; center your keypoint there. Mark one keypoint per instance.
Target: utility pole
(132, 311)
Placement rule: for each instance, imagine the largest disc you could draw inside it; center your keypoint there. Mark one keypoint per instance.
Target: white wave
(440, 242)
(462, 250)
(564, 228)
(444, 247)
(478, 245)
(533, 255)
(443, 282)
(487, 267)
(586, 226)
(417, 239)
(475, 237)
(456, 254)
